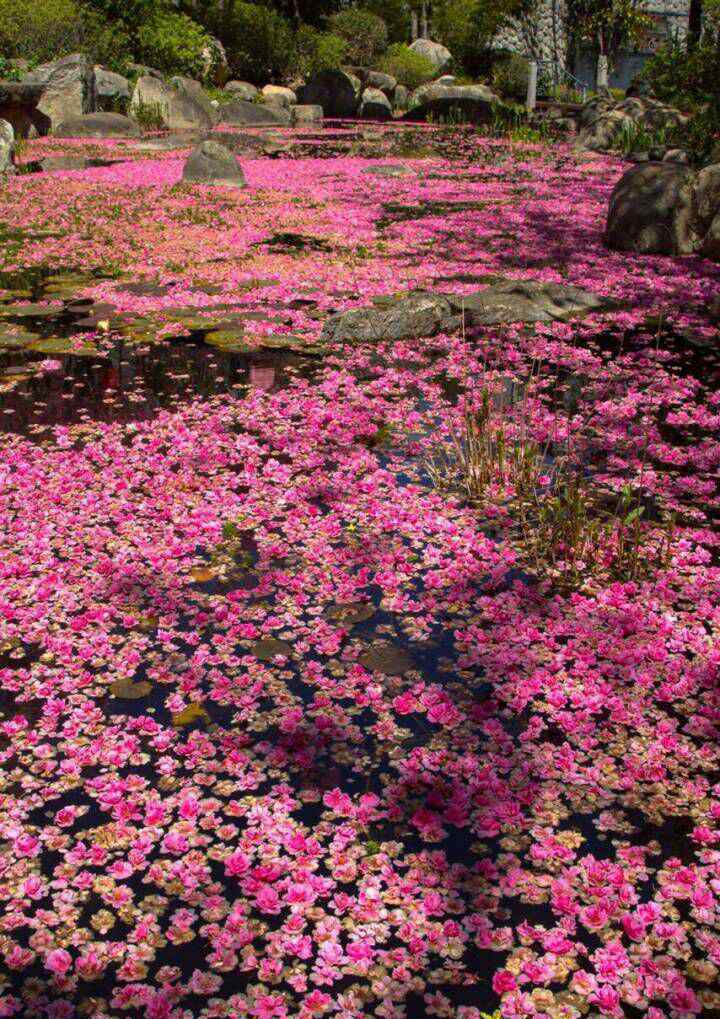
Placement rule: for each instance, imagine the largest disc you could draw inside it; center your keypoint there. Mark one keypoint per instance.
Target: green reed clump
(565, 528)
(149, 116)
(568, 534)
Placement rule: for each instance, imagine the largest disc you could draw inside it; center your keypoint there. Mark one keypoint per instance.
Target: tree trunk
(601, 81)
(424, 29)
(695, 18)
(414, 24)
(531, 101)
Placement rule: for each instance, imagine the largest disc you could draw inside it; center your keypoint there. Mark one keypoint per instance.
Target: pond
(293, 719)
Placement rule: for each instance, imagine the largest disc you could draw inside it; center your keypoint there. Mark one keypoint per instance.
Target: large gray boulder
(335, 91)
(385, 82)
(68, 88)
(473, 103)
(280, 95)
(112, 91)
(174, 110)
(52, 164)
(194, 90)
(98, 125)
(401, 98)
(529, 301)
(402, 318)
(184, 84)
(302, 114)
(438, 55)
(707, 196)
(243, 113)
(375, 105)
(651, 211)
(711, 242)
(212, 163)
(605, 123)
(242, 90)
(7, 149)
(425, 314)
(666, 209)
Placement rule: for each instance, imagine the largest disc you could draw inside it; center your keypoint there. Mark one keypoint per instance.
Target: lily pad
(127, 690)
(232, 340)
(202, 574)
(293, 343)
(16, 340)
(350, 613)
(30, 311)
(193, 714)
(387, 658)
(64, 345)
(269, 648)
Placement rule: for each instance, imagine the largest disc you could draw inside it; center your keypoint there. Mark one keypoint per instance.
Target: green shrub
(173, 43)
(365, 34)
(9, 73)
(410, 69)
(317, 51)
(701, 136)
(149, 116)
(259, 42)
(510, 77)
(219, 95)
(129, 13)
(686, 77)
(455, 24)
(636, 137)
(108, 43)
(395, 14)
(39, 30)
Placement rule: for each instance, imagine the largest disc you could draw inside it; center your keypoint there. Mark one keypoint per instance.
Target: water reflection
(129, 384)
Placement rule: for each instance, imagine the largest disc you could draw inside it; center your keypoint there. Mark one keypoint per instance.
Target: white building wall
(545, 36)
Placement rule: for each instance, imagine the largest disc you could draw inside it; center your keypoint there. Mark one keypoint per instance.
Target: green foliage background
(283, 40)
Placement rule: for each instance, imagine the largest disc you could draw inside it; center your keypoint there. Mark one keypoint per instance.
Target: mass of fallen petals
(287, 731)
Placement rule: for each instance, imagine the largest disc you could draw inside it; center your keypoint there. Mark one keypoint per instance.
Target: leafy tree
(172, 43)
(259, 42)
(410, 68)
(467, 27)
(608, 25)
(317, 51)
(685, 73)
(311, 12)
(395, 14)
(39, 31)
(130, 13)
(365, 34)
(456, 24)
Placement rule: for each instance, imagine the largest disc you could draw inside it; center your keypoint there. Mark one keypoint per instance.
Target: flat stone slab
(243, 113)
(98, 125)
(529, 301)
(389, 170)
(425, 314)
